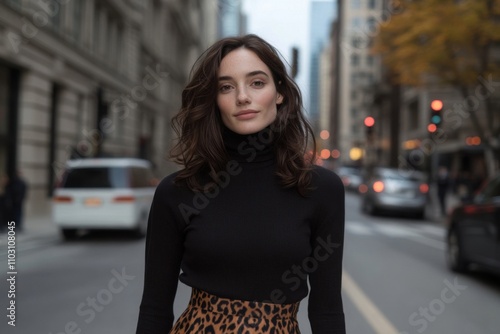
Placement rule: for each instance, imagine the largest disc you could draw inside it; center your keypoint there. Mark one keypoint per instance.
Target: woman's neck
(255, 147)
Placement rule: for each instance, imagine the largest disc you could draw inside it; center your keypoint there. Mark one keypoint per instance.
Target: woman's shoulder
(169, 186)
(323, 178)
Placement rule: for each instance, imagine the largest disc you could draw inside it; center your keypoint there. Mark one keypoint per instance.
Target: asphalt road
(395, 281)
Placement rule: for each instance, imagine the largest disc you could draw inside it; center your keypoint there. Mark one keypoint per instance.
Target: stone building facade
(93, 78)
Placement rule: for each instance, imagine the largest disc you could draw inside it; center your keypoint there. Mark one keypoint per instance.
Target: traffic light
(295, 62)
(369, 123)
(436, 116)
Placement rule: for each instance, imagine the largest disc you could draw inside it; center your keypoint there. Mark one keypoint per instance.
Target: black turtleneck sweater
(247, 238)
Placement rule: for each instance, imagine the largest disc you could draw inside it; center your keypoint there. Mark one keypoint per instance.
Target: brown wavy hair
(198, 125)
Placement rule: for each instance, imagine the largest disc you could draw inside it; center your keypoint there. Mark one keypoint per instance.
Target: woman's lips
(246, 114)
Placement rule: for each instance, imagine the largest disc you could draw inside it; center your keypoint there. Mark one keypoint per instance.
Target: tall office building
(358, 72)
(232, 21)
(322, 14)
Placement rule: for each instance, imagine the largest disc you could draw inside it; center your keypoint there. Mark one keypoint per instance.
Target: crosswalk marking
(394, 231)
(429, 235)
(358, 228)
(437, 244)
(437, 231)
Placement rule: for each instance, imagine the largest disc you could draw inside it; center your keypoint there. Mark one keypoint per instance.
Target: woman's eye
(259, 83)
(224, 88)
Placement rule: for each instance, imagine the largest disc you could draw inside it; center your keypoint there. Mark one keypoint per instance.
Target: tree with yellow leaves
(454, 42)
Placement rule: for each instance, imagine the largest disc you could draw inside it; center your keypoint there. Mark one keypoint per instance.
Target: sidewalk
(34, 227)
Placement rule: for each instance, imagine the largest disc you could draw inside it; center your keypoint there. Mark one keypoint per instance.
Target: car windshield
(96, 177)
(400, 176)
(349, 170)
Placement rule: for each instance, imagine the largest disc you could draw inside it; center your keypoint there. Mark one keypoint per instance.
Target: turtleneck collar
(255, 147)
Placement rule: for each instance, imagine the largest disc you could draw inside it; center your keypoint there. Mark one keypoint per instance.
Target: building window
(355, 4)
(371, 24)
(56, 18)
(369, 78)
(372, 4)
(111, 42)
(354, 112)
(119, 46)
(13, 3)
(370, 60)
(360, 41)
(354, 78)
(97, 30)
(77, 20)
(101, 30)
(357, 22)
(355, 60)
(79, 118)
(413, 115)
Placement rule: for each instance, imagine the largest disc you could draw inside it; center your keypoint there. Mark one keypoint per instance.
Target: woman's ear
(279, 99)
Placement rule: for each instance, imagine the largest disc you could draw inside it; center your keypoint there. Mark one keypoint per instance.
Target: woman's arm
(326, 313)
(164, 247)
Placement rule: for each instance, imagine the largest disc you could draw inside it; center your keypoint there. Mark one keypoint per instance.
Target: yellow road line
(370, 312)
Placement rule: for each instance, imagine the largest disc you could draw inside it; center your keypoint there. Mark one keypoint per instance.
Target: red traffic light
(369, 121)
(437, 105)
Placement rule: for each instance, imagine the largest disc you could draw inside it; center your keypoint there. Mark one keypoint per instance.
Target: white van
(104, 193)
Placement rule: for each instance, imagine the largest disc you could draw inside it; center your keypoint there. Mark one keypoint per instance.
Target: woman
(249, 218)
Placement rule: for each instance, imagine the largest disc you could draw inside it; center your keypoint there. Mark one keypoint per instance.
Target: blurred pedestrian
(249, 219)
(16, 190)
(443, 184)
(3, 203)
(464, 186)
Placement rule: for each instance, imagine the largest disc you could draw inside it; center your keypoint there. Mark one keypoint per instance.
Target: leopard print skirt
(207, 313)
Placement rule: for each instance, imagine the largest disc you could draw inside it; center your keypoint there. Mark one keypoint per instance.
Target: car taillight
(62, 199)
(378, 186)
(363, 188)
(424, 188)
(469, 209)
(346, 181)
(124, 199)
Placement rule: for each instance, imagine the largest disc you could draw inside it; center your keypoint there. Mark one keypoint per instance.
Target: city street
(100, 100)
(395, 281)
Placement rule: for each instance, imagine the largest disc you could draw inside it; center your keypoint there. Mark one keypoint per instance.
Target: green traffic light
(436, 119)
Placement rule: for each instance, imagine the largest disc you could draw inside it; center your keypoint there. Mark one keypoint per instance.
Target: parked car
(394, 190)
(104, 193)
(351, 177)
(474, 231)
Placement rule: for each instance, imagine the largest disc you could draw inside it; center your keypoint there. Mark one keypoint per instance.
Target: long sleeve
(325, 308)
(164, 249)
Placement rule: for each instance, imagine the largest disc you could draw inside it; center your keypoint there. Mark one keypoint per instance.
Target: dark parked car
(474, 230)
(394, 190)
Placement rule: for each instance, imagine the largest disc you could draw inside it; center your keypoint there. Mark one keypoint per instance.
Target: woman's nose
(242, 97)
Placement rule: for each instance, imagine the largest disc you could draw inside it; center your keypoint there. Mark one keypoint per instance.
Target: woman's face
(247, 95)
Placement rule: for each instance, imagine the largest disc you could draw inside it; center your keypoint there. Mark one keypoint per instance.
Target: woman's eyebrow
(250, 74)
